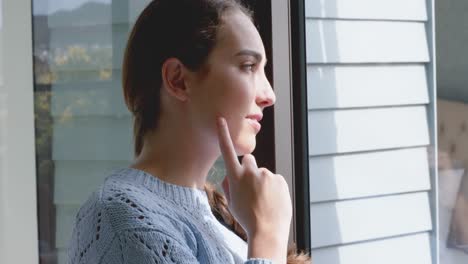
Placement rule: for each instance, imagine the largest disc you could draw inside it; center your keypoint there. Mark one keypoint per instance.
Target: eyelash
(249, 67)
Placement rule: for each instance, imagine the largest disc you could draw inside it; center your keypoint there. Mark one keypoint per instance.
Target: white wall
(3, 119)
(369, 131)
(19, 243)
(2, 127)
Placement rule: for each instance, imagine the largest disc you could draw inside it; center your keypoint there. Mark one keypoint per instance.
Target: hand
(258, 199)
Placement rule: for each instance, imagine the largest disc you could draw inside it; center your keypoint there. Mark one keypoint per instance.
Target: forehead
(238, 33)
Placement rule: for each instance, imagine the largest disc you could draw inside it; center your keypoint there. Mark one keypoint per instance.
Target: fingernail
(221, 121)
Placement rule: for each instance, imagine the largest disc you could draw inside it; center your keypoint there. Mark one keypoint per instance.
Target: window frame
(18, 210)
(284, 134)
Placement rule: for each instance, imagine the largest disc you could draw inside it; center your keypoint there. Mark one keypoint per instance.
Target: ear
(174, 75)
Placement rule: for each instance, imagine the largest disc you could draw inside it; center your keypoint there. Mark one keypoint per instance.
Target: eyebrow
(252, 53)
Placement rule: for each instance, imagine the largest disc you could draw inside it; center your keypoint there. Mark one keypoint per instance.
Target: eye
(249, 67)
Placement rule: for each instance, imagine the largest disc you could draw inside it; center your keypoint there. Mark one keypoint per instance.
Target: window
(83, 129)
(452, 122)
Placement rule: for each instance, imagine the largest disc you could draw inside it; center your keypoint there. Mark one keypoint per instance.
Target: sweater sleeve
(150, 247)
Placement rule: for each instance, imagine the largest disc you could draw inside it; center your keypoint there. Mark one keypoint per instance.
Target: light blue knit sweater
(135, 218)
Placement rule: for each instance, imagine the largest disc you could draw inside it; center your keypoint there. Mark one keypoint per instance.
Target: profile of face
(233, 83)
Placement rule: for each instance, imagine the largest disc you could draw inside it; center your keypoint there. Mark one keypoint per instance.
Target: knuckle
(247, 157)
(263, 171)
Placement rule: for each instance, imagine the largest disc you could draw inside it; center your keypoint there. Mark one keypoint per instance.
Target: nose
(265, 96)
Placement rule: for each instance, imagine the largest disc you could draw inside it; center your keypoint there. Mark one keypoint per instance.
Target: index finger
(227, 147)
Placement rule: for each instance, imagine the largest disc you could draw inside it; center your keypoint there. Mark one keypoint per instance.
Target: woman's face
(233, 83)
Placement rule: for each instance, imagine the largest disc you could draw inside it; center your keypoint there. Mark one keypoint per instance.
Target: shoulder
(123, 211)
(132, 206)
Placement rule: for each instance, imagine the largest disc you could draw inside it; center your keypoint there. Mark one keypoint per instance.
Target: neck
(178, 153)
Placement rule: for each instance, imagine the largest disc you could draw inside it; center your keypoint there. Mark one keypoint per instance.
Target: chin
(246, 146)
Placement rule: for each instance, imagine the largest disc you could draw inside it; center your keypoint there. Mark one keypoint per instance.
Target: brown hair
(184, 29)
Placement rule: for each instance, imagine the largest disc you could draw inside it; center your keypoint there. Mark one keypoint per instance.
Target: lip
(254, 122)
(257, 117)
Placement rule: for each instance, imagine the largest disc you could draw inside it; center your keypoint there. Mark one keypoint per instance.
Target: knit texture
(136, 218)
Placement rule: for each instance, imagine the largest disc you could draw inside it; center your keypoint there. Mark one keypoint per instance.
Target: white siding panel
(414, 249)
(344, 131)
(96, 99)
(368, 174)
(93, 139)
(329, 41)
(367, 100)
(367, 9)
(84, 176)
(366, 86)
(360, 220)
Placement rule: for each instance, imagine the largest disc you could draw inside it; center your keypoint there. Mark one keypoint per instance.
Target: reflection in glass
(83, 129)
(77, 104)
(452, 110)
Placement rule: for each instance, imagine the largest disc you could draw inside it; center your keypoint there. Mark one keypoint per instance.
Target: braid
(220, 209)
(295, 257)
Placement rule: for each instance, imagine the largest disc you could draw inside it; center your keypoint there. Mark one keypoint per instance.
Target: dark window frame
(300, 128)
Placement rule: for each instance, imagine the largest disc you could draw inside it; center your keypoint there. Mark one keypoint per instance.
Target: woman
(194, 80)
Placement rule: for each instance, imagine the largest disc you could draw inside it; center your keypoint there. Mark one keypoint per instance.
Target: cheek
(239, 98)
(237, 105)
(241, 88)
(233, 93)
(230, 94)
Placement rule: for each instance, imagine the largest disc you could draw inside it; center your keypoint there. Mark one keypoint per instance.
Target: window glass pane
(452, 111)
(83, 129)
